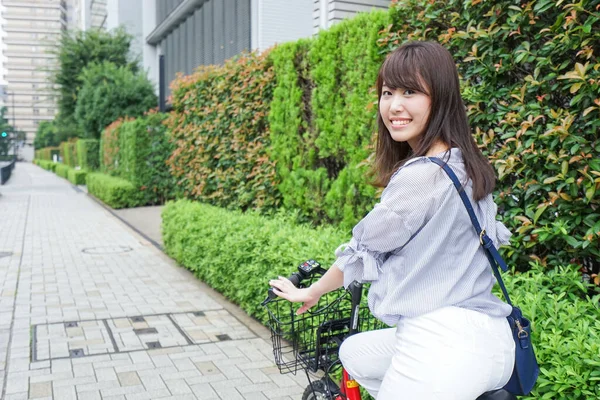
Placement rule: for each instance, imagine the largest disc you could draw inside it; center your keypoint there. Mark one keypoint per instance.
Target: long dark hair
(428, 67)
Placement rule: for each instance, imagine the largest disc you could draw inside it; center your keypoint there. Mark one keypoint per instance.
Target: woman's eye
(386, 93)
(408, 92)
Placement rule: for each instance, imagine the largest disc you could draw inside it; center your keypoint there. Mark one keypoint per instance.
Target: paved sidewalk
(89, 309)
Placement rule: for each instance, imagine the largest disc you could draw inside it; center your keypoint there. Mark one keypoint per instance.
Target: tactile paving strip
(84, 338)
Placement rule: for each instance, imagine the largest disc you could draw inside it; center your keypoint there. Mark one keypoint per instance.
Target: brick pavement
(91, 310)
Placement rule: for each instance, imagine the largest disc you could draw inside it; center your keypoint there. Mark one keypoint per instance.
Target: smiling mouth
(403, 122)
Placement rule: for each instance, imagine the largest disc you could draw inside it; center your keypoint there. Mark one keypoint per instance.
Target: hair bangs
(400, 71)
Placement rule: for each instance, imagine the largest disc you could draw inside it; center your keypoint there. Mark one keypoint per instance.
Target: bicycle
(311, 341)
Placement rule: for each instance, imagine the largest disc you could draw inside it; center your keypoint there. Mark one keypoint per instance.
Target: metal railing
(7, 164)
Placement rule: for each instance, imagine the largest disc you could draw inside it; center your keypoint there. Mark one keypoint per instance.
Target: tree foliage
(45, 135)
(109, 92)
(77, 50)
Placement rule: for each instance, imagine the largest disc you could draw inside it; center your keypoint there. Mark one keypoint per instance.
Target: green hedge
(88, 154)
(144, 148)
(47, 165)
(62, 170)
(137, 150)
(47, 153)
(248, 249)
(245, 248)
(221, 133)
(116, 192)
(322, 119)
(77, 176)
(68, 151)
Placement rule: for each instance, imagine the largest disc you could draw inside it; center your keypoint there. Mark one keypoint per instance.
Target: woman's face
(404, 113)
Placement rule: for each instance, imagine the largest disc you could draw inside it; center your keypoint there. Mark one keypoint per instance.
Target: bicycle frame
(349, 389)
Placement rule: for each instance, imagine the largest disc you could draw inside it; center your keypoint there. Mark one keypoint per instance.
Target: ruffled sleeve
(502, 234)
(406, 205)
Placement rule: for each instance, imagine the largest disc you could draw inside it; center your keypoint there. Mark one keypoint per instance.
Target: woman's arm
(283, 288)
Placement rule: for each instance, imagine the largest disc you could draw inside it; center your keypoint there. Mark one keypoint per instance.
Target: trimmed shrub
(76, 176)
(323, 117)
(88, 154)
(108, 93)
(248, 250)
(47, 153)
(62, 170)
(221, 134)
(68, 151)
(245, 248)
(47, 165)
(109, 147)
(116, 192)
(144, 148)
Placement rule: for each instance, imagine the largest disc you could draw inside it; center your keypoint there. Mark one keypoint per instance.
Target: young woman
(430, 277)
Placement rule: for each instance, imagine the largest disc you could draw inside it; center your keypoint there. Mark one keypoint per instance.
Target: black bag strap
(488, 245)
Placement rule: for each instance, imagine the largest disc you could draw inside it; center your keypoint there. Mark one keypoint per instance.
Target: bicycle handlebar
(305, 270)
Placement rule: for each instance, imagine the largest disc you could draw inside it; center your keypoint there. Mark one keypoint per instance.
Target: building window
(36, 97)
(34, 85)
(36, 111)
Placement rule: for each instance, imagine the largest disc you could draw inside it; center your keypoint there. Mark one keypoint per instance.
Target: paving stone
(40, 389)
(129, 379)
(48, 226)
(64, 393)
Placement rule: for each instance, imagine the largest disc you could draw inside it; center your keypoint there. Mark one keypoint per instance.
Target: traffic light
(4, 134)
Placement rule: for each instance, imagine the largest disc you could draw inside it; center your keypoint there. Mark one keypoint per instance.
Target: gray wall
(215, 32)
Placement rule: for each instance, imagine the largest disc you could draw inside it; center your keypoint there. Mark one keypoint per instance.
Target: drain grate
(153, 345)
(137, 319)
(223, 338)
(199, 314)
(5, 254)
(76, 353)
(107, 250)
(70, 324)
(145, 331)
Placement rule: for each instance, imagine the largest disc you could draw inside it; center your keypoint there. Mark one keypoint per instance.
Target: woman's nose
(397, 104)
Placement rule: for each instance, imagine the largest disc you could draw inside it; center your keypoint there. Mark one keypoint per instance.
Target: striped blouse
(419, 249)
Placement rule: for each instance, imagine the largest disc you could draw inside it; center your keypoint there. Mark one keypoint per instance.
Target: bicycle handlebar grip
(295, 278)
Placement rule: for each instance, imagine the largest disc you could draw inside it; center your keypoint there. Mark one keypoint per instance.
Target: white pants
(451, 354)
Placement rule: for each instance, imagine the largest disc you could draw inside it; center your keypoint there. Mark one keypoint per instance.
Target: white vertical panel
(283, 21)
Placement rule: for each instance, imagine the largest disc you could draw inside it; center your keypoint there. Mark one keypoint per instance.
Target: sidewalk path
(89, 309)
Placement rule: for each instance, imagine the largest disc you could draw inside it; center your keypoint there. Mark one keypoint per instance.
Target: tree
(77, 50)
(45, 135)
(108, 92)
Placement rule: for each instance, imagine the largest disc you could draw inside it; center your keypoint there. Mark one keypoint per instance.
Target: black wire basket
(311, 341)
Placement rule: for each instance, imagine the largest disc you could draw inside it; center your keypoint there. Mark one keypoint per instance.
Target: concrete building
(190, 33)
(30, 30)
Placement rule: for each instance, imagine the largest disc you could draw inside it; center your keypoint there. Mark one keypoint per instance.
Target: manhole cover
(5, 254)
(106, 250)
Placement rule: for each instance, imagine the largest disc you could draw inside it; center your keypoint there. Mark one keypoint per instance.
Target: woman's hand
(285, 289)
